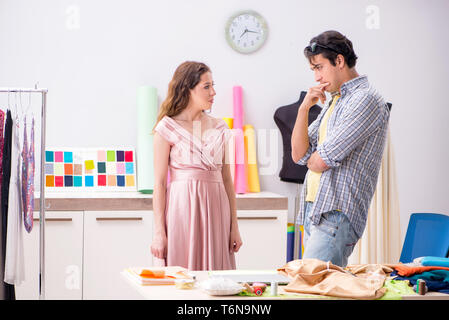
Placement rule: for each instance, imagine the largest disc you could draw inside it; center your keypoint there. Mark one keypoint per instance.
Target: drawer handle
(54, 219)
(257, 218)
(119, 219)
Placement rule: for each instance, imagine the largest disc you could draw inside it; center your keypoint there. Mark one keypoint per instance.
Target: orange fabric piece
(407, 271)
(160, 274)
(152, 273)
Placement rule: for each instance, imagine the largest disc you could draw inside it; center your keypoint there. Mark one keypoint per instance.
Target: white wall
(92, 72)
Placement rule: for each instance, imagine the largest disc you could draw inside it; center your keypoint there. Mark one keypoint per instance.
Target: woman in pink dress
(195, 219)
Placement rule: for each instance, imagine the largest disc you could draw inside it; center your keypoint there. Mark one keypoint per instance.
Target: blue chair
(427, 235)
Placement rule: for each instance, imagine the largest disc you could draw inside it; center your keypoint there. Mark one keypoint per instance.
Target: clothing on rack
(2, 257)
(14, 260)
(28, 178)
(16, 211)
(8, 289)
(2, 123)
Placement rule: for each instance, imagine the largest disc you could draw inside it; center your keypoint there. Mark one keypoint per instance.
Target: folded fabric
(314, 276)
(146, 273)
(396, 289)
(435, 261)
(436, 280)
(156, 276)
(406, 271)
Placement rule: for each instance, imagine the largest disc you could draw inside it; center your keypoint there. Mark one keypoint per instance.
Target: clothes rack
(43, 92)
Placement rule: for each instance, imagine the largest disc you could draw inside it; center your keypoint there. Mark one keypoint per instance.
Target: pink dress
(197, 211)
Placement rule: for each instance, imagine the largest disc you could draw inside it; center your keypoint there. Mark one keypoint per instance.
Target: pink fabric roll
(238, 108)
(240, 181)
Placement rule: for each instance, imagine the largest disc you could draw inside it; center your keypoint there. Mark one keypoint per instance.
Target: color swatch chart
(108, 169)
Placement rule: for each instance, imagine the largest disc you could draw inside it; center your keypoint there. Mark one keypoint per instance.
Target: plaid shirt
(353, 148)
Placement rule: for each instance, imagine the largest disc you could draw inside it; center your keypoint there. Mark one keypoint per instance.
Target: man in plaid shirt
(342, 148)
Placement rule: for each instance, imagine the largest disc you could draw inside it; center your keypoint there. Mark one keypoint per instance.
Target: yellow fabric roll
(230, 155)
(229, 122)
(230, 152)
(251, 159)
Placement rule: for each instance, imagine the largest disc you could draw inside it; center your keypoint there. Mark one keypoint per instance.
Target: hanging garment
(28, 178)
(8, 289)
(14, 262)
(285, 118)
(2, 122)
(2, 257)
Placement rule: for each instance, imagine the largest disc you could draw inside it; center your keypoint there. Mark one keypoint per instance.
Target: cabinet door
(264, 237)
(114, 241)
(63, 257)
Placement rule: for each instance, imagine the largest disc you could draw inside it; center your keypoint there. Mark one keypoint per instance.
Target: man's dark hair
(330, 44)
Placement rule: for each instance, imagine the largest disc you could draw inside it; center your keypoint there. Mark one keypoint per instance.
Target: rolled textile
(435, 261)
(253, 184)
(240, 174)
(230, 151)
(146, 119)
(229, 122)
(238, 107)
(290, 242)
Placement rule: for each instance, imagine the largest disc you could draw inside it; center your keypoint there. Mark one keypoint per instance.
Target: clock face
(246, 31)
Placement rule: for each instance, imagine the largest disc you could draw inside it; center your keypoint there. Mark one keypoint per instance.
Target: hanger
(16, 111)
(27, 108)
(9, 104)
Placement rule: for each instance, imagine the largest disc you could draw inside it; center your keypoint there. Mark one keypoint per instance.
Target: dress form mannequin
(285, 118)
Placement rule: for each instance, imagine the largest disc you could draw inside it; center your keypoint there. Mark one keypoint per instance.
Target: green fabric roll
(146, 119)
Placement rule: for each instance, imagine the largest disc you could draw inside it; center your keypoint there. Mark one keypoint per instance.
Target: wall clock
(246, 31)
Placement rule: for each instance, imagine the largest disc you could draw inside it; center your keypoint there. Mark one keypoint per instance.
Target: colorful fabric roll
(229, 122)
(230, 151)
(240, 174)
(146, 119)
(253, 184)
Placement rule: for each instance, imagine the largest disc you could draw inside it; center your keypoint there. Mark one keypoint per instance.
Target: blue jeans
(333, 239)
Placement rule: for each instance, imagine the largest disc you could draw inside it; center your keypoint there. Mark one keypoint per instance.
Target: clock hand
(246, 30)
(252, 31)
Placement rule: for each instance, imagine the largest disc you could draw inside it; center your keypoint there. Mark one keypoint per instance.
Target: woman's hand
(235, 241)
(159, 246)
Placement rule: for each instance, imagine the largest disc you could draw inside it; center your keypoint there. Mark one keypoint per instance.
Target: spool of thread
(420, 287)
(274, 288)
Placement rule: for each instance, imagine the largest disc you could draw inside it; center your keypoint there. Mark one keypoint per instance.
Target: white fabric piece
(14, 260)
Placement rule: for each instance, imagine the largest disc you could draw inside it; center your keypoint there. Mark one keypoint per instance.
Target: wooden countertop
(111, 201)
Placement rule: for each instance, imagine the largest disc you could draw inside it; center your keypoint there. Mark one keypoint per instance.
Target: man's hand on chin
(316, 164)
